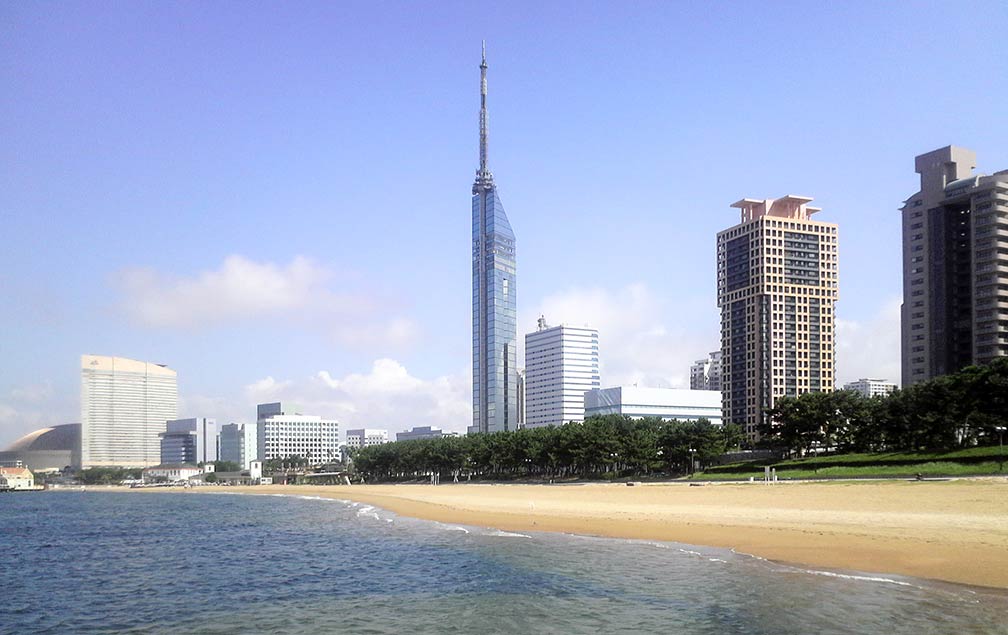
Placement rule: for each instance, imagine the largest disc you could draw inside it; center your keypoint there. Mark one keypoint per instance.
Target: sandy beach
(956, 531)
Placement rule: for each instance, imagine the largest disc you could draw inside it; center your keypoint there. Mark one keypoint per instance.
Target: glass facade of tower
(495, 390)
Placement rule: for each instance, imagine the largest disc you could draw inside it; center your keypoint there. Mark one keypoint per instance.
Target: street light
(692, 463)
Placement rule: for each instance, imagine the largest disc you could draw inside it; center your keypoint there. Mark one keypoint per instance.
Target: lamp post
(1000, 430)
(692, 463)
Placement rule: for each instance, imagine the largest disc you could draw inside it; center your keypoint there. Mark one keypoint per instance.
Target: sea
(124, 562)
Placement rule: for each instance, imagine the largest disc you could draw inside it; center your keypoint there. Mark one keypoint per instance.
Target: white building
(665, 403)
(561, 363)
(365, 437)
(239, 443)
(170, 473)
(16, 478)
(283, 433)
(124, 406)
(871, 387)
(193, 440)
(705, 374)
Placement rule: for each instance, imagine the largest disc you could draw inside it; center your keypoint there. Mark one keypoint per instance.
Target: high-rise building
(125, 404)
(777, 288)
(495, 390)
(955, 267)
(365, 437)
(705, 374)
(284, 433)
(871, 387)
(190, 441)
(561, 363)
(239, 443)
(520, 383)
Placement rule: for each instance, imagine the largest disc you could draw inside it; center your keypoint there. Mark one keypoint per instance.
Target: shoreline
(951, 531)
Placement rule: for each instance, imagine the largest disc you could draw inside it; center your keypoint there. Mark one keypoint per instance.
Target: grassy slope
(969, 462)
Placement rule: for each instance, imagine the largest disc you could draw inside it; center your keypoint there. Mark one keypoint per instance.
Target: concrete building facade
(955, 267)
(125, 404)
(365, 437)
(871, 387)
(664, 403)
(705, 374)
(777, 289)
(283, 432)
(561, 364)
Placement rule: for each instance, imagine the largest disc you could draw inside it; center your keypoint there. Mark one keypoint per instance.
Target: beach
(954, 531)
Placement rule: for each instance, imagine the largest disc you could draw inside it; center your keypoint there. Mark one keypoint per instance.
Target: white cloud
(643, 338)
(387, 396)
(870, 348)
(242, 290)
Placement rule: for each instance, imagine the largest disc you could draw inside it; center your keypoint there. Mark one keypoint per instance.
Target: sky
(273, 199)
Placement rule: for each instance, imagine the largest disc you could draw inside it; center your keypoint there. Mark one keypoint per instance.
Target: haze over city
(276, 203)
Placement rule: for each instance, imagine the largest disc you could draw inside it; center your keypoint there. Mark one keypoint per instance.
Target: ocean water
(100, 562)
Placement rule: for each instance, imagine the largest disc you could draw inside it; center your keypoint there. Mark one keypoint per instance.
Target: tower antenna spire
(483, 176)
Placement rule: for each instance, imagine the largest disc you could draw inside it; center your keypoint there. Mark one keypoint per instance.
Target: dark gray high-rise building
(495, 390)
(955, 267)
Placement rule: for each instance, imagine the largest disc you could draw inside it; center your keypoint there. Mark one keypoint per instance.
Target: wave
(507, 534)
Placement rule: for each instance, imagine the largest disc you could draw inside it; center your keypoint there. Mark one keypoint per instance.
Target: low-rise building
(871, 387)
(365, 437)
(170, 473)
(664, 403)
(16, 478)
(422, 432)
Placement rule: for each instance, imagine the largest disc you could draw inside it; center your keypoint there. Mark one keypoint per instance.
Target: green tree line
(600, 447)
(953, 411)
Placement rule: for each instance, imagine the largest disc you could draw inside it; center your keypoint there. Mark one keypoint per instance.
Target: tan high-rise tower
(955, 267)
(777, 288)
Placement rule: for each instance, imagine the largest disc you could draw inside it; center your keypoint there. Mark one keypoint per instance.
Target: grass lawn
(969, 462)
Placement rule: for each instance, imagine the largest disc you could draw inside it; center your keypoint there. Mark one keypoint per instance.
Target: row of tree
(600, 447)
(959, 410)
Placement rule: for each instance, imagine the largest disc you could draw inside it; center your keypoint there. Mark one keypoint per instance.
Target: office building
(705, 374)
(239, 443)
(495, 390)
(663, 403)
(955, 267)
(283, 432)
(561, 364)
(365, 437)
(190, 441)
(871, 387)
(124, 406)
(423, 432)
(777, 288)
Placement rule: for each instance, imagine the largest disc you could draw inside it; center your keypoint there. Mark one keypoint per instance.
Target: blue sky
(273, 199)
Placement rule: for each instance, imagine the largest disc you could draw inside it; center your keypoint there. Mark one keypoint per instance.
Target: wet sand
(955, 531)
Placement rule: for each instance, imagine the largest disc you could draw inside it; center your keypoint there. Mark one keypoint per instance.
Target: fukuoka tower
(495, 389)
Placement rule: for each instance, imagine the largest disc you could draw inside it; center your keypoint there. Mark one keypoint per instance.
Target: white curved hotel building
(125, 404)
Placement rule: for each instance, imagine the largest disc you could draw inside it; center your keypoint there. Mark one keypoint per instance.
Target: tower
(955, 267)
(495, 390)
(777, 287)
